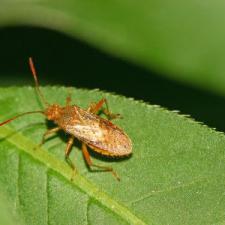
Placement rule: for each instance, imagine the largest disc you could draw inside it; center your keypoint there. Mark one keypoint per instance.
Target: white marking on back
(88, 132)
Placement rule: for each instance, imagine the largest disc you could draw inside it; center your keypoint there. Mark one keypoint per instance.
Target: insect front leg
(95, 107)
(90, 163)
(47, 133)
(68, 98)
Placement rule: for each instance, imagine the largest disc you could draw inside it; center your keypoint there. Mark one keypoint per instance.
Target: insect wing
(100, 134)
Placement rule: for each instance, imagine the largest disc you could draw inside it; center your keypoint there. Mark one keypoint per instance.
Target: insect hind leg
(90, 163)
(95, 107)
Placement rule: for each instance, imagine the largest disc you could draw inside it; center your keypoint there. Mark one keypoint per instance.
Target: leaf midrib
(25, 144)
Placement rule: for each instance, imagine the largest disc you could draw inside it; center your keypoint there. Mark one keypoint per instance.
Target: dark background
(61, 60)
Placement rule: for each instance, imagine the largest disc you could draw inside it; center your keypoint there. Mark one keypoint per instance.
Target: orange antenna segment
(33, 71)
(22, 114)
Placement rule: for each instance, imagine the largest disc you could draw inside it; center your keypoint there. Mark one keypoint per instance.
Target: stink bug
(101, 135)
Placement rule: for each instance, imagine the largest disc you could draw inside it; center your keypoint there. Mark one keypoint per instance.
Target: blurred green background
(63, 60)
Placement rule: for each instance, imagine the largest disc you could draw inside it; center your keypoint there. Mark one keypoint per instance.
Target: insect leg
(68, 98)
(68, 150)
(95, 107)
(90, 164)
(47, 133)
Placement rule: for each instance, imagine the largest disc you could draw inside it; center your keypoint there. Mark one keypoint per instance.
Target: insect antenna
(33, 71)
(22, 114)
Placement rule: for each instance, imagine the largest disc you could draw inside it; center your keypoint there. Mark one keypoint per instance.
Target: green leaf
(182, 39)
(8, 216)
(175, 175)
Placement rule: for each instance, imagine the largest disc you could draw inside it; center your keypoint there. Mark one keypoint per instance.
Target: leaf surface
(175, 175)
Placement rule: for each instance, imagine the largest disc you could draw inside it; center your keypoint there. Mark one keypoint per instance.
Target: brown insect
(101, 135)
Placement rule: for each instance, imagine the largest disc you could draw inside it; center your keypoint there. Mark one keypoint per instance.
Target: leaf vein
(173, 188)
(25, 144)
